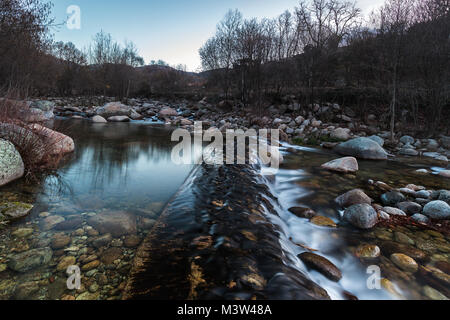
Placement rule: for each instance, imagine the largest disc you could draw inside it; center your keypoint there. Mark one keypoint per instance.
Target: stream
(108, 197)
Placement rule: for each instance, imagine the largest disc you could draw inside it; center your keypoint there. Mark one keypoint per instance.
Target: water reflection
(121, 160)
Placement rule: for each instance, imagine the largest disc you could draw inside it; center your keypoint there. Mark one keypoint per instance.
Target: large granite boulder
(363, 148)
(11, 164)
(113, 109)
(40, 111)
(55, 142)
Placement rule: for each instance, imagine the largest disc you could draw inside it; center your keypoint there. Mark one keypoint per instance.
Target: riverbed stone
(356, 196)
(51, 221)
(362, 216)
(407, 140)
(404, 262)
(433, 294)
(392, 198)
(438, 209)
(377, 139)
(420, 218)
(14, 210)
(394, 211)
(444, 195)
(102, 240)
(391, 247)
(98, 119)
(69, 224)
(408, 152)
(60, 240)
(88, 296)
(22, 232)
(117, 223)
(119, 119)
(345, 165)
(132, 241)
(362, 148)
(111, 254)
(168, 112)
(409, 207)
(321, 264)
(91, 265)
(403, 238)
(368, 251)
(424, 194)
(29, 260)
(303, 212)
(114, 109)
(342, 134)
(323, 221)
(55, 142)
(66, 262)
(11, 164)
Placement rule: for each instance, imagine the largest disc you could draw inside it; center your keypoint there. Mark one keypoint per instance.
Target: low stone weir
(214, 241)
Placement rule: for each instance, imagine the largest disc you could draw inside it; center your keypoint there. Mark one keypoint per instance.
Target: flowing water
(126, 169)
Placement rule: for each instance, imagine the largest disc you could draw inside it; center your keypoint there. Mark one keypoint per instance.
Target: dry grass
(31, 141)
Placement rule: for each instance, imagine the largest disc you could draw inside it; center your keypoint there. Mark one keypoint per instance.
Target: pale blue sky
(172, 30)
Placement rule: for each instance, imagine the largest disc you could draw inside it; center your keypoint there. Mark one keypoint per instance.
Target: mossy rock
(14, 210)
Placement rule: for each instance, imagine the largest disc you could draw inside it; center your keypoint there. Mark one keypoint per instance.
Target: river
(125, 170)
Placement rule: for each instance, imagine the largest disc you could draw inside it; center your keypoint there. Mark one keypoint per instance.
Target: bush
(31, 141)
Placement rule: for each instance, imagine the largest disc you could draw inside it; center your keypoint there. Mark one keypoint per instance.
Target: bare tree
(393, 20)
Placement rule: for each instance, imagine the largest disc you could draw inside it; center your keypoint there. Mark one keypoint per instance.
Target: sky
(171, 30)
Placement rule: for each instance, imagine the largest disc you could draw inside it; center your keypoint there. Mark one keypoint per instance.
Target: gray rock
(408, 152)
(119, 119)
(420, 218)
(432, 145)
(117, 223)
(437, 210)
(11, 164)
(435, 156)
(424, 194)
(299, 120)
(377, 139)
(341, 134)
(321, 264)
(444, 195)
(14, 210)
(392, 198)
(363, 148)
(98, 119)
(362, 216)
(356, 196)
(409, 207)
(114, 109)
(407, 139)
(394, 211)
(28, 260)
(346, 165)
(43, 105)
(168, 112)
